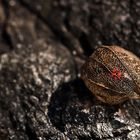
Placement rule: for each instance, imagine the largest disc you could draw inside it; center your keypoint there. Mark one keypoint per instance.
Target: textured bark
(42, 46)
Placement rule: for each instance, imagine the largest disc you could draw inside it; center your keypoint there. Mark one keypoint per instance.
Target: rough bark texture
(42, 46)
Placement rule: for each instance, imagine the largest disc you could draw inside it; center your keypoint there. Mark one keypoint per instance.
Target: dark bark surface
(42, 46)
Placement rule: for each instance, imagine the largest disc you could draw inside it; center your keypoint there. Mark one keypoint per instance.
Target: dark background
(43, 44)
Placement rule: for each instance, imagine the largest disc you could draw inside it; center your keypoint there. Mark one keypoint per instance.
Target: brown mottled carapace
(112, 74)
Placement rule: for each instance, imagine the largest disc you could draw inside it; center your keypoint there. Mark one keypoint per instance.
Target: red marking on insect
(116, 73)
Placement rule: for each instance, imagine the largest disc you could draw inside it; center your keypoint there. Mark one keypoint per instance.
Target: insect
(112, 74)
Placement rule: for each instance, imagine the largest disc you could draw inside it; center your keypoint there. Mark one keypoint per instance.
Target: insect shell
(112, 74)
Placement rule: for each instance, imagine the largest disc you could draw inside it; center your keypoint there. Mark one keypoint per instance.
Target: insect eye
(116, 73)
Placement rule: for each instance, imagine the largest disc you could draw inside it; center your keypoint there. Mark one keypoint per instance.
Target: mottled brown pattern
(97, 74)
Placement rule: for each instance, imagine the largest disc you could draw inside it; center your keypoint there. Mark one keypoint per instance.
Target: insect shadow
(65, 99)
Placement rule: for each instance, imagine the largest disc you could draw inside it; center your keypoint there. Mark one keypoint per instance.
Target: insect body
(112, 74)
